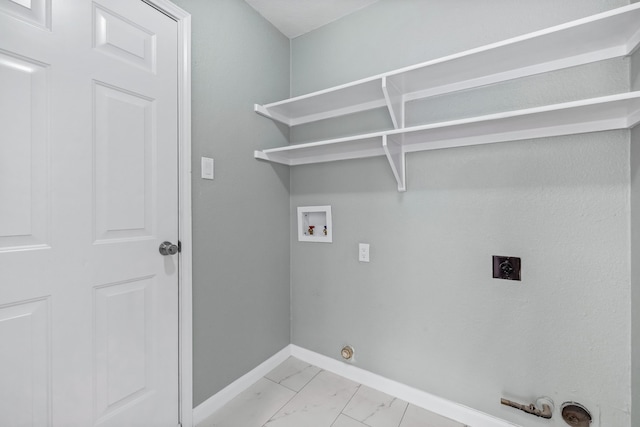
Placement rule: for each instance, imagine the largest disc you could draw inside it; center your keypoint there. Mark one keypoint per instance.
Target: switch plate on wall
(363, 252)
(206, 168)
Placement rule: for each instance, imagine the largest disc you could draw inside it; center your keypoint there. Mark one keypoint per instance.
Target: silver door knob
(168, 248)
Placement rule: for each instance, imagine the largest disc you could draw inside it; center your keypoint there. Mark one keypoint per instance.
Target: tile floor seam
(309, 382)
(403, 414)
(280, 384)
(335, 419)
(295, 393)
(292, 389)
(346, 404)
(356, 420)
(296, 373)
(308, 387)
(269, 379)
(365, 421)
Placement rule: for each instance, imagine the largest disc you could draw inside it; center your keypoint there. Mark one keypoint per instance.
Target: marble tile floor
(296, 394)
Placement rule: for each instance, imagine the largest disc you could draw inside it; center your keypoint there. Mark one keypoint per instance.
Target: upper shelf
(607, 35)
(620, 111)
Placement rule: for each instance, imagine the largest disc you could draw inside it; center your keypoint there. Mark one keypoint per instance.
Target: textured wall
(635, 71)
(635, 251)
(635, 274)
(425, 311)
(241, 224)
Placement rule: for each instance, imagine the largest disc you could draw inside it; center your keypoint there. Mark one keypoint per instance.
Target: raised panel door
(88, 191)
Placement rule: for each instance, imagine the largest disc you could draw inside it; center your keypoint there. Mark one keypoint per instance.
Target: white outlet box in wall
(314, 224)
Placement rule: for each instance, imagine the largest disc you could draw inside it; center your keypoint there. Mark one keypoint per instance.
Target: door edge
(185, 309)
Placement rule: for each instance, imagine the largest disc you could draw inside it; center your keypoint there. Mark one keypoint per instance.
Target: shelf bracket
(273, 158)
(633, 43)
(633, 119)
(395, 102)
(263, 111)
(396, 157)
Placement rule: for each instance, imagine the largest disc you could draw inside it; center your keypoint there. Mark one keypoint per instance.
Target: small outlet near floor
(363, 252)
(506, 267)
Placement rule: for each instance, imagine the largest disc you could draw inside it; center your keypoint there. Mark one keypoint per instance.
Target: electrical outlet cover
(506, 267)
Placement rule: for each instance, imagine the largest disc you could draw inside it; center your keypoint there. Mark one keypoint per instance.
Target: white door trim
(183, 20)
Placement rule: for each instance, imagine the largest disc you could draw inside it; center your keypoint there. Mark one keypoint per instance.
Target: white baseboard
(446, 408)
(224, 396)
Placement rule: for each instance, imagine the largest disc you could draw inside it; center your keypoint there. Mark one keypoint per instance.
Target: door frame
(185, 308)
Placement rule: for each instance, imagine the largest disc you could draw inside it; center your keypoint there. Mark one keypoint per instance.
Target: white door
(88, 192)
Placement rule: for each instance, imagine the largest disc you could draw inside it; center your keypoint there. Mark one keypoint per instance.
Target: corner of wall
(635, 275)
(241, 267)
(635, 70)
(550, 190)
(635, 249)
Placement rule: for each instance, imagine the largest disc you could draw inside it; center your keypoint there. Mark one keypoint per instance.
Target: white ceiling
(296, 17)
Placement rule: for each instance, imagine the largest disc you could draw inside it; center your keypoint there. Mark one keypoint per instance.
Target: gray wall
(635, 274)
(635, 251)
(425, 311)
(241, 224)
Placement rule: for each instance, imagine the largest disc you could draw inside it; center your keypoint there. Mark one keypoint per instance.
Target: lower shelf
(621, 111)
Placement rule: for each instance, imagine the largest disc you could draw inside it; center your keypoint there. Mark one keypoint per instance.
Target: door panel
(124, 164)
(24, 361)
(88, 170)
(23, 158)
(124, 335)
(32, 11)
(116, 35)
